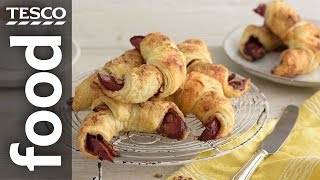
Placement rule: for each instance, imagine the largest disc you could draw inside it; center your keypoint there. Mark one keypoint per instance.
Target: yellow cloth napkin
(298, 158)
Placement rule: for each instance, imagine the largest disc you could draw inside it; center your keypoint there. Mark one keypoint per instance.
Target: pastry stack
(150, 89)
(283, 29)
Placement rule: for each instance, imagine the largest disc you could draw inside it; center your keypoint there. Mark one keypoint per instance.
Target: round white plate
(262, 67)
(15, 77)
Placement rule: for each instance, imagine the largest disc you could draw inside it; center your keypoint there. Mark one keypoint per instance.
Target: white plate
(262, 67)
(16, 77)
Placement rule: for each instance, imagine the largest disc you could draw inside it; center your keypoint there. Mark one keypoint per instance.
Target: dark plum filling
(97, 146)
(254, 48)
(136, 40)
(110, 83)
(173, 126)
(211, 130)
(261, 9)
(237, 84)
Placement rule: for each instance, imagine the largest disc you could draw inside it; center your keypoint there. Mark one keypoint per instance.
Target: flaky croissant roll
(85, 93)
(198, 56)
(110, 117)
(203, 96)
(195, 50)
(88, 90)
(279, 16)
(163, 73)
(256, 41)
(303, 55)
(302, 38)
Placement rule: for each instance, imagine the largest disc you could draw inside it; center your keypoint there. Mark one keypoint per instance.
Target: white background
(110, 23)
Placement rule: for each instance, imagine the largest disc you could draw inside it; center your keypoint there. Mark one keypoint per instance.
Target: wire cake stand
(251, 113)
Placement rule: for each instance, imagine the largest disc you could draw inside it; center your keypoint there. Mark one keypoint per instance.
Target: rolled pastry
(89, 90)
(110, 117)
(256, 41)
(198, 56)
(279, 17)
(302, 38)
(163, 73)
(85, 93)
(203, 96)
(303, 55)
(195, 50)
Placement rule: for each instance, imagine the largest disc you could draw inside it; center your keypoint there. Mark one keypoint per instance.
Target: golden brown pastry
(256, 41)
(203, 96)
(279, 17)
(302, 38)
(110, 117)
(129, 80)
(303, 55)
(198, 56)
(88, 90)
(195, 50)
(163, 73)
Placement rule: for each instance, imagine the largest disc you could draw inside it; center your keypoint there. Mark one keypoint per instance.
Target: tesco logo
(36, 16)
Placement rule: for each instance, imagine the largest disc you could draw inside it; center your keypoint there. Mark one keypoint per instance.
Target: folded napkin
(298, 158)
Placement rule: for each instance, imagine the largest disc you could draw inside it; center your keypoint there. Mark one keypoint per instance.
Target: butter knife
(272, 143)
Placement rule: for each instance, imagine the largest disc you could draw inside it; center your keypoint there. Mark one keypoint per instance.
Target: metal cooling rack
(251, 113)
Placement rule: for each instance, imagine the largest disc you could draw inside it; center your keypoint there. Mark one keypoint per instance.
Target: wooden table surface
(103, 28)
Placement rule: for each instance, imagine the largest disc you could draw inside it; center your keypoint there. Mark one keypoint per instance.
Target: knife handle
(246, 171)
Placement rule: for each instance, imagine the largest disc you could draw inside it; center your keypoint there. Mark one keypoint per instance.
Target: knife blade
(272, 143)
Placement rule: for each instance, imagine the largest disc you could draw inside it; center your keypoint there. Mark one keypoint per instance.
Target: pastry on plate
(256, 41)
(302, 39)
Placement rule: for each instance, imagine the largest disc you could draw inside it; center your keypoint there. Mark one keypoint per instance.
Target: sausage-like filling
(254, 48)
(261, 9)
(110, 82)
(173, 126)
(97, 146)
(211, 130)
(136, 40)
(236, 84)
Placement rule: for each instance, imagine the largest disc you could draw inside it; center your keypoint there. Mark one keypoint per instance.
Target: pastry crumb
(181, 178)
(157, 175)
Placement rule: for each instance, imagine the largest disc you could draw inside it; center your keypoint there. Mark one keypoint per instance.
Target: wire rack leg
(99, 177)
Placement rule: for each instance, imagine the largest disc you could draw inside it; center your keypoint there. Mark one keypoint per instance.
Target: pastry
(203, 96)
(195, 50)
(232, 87)
(303, 55)
(89, 90)
(132, 78)
(256, 41)
(163, 73)
(109, 117)
(301, 38)
(198, 56)
(278, 16)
